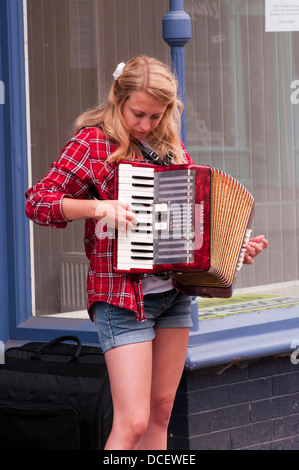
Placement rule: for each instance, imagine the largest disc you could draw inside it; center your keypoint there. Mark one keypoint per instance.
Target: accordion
(193, 222)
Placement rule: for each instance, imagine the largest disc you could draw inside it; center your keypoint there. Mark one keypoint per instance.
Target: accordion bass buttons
(161, 217)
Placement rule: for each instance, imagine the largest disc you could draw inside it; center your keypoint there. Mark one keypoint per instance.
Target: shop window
(241, 119)
(73, 49)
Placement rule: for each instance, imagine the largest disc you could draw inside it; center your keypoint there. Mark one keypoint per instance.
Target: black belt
(163, 276)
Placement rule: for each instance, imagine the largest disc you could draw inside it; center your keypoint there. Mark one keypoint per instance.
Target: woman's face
(142, 113)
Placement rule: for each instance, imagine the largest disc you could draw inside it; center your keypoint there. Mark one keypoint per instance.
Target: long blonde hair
(142, 73)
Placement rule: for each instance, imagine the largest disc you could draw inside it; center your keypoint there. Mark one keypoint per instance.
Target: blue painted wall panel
(4, 117)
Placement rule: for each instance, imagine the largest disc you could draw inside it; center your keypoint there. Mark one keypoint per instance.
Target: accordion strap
(152, 156)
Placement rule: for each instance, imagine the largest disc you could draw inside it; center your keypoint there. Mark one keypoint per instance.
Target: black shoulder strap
(153, 157)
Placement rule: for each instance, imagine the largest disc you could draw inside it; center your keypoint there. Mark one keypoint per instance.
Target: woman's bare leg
(169, 354)
(130, 373)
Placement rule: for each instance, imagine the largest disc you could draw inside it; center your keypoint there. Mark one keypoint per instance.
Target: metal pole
(177, 32)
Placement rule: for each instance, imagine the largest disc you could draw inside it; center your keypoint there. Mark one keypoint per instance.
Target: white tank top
(154, 285)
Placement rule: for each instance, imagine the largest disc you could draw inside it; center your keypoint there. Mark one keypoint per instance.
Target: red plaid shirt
(80, 169)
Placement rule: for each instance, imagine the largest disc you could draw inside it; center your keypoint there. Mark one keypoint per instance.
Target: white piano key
(128, 264)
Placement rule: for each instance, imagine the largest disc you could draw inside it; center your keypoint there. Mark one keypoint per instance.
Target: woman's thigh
(169, 355)
(130, 374)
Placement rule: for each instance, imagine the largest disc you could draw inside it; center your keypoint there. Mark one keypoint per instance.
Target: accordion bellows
(196, 227)
(231, 216)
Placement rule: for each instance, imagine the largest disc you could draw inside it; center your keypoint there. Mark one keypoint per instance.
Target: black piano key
(145, 204)
(142, 211)
(142, 230)
(148, 232)
(142, 177)
(142, 244)
(142, 185)
(143, 197)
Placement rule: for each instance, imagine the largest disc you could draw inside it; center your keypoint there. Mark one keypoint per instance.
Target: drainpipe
(176, 33)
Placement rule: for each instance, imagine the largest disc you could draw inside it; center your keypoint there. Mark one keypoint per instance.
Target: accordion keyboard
(164, 206)
(135, 248)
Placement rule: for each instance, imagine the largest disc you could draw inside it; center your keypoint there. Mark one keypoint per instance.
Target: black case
(54, 396)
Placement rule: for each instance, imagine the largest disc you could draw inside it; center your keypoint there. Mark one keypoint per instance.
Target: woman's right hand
(112, 213)
(115, 215)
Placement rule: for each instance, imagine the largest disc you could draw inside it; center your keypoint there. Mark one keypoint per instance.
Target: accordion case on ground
(54, 396)
(193, 221)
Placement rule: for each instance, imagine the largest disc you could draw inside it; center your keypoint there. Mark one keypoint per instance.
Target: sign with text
(282, 15)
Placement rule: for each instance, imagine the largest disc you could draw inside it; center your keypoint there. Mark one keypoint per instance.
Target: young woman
(143, 322)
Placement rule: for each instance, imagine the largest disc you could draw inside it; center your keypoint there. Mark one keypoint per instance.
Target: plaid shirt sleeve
(70, 176)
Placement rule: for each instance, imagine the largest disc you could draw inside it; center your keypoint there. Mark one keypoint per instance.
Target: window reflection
(74, 46)
(241, 119)
(240, 116)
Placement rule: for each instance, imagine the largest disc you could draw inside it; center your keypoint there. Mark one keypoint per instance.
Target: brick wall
(251, 405)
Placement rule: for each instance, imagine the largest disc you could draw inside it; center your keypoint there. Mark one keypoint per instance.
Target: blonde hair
(146, 74)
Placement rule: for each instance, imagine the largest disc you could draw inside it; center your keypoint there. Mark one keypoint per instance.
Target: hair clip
(119, 70)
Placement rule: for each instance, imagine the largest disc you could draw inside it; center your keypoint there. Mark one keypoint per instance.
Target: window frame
(213, 343)
(23, 324)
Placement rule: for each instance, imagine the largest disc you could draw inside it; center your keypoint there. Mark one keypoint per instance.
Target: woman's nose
(145, 124)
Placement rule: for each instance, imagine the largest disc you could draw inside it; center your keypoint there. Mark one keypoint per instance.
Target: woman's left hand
(254, 247)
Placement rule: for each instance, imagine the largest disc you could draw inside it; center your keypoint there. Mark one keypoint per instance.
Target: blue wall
(4, 141)
(14, 232)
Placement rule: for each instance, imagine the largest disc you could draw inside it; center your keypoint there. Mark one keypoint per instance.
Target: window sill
(47, 328)
(243, 337)
(216, 342)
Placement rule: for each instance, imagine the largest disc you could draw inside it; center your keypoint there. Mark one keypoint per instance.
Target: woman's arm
(77, 209)
(113, 213)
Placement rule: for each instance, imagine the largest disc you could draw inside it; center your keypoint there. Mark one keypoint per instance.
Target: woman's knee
(138, 427)
(133, 425)
(161, 411)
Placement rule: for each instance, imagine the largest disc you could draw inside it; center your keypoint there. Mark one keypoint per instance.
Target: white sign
(282, 15)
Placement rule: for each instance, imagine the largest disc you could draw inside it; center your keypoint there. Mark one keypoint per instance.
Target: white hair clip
(119, 70)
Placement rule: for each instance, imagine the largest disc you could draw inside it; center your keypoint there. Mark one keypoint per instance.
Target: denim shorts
(118, 326)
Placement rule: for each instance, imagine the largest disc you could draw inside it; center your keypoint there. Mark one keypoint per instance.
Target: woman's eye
(140, 115)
